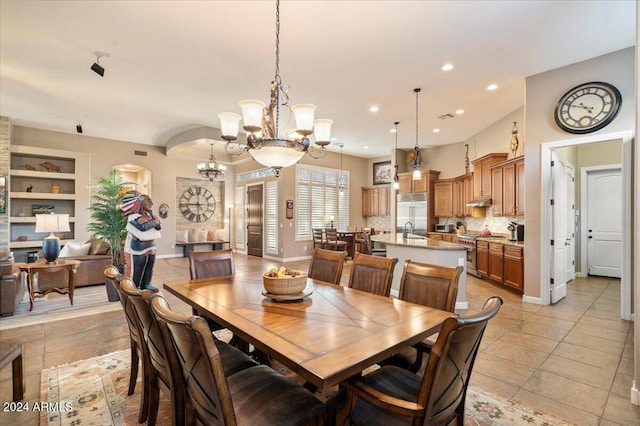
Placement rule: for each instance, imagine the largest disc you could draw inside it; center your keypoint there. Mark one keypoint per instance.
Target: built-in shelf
(31, 219)
(34, 174)
(30, 244)
(42, 196)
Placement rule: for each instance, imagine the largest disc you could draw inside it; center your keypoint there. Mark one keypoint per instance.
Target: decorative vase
(55, 188)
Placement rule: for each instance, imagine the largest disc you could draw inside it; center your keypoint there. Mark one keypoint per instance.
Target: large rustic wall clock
(197, 204)
(588, 107)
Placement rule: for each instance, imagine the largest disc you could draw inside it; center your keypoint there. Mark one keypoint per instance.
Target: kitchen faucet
(405, 234)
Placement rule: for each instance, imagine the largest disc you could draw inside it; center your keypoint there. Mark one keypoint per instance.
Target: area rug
(94, 392)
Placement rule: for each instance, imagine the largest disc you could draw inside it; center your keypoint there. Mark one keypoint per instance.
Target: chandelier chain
(277, 79)
(417, 92)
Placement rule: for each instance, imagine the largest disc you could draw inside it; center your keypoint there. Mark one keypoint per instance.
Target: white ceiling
(174, 65)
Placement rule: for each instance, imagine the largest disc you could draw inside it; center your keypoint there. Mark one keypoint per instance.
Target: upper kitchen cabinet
(482, 174)
(508, 188)
(376, 201)
(410, 186)
(452, 195)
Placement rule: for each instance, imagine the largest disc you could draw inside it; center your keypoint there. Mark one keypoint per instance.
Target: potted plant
(107, 221)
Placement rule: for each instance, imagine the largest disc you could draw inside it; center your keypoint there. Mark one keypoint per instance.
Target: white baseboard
(534, 300)
(288, 259)
(635, 394)
(167, 256)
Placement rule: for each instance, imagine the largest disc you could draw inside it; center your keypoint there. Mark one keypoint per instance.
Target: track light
(79, 128)
(97, 68)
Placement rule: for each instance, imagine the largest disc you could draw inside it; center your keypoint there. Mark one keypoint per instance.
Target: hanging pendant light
(396, 183)
(211, 169)
(263, 125)
(417, 157)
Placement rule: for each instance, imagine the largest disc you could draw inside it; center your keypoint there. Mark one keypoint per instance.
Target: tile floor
(573, 359)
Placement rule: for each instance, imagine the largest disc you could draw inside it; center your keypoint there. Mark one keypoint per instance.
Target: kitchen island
(425, 250)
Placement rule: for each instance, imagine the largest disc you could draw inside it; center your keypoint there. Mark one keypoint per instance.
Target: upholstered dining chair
(372, 273)
(327, 265)
(162, 375)
(318, 239)
(207, 264)
(139, 351)
(333, 243)
(435, 286)
(392, 395)
(257, 395)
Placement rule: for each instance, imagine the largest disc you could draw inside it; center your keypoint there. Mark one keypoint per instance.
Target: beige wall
(542, 93)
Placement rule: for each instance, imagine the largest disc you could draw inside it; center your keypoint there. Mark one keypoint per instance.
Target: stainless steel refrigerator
(412, 208)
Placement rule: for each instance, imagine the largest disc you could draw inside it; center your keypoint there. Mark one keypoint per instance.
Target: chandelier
(417, 156)
(211, 169)
(341, 179)
(269, 141)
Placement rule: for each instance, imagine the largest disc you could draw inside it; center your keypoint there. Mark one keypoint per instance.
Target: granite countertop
(416, 241)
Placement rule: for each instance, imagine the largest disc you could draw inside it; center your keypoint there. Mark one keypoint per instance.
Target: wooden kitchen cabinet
(410, 186)
(496, 262)
(482, 174)
(376, 201)
(514, 267)
(443, 194)
(435, 236)
(482, 258)
(508, 188)
(452, 195)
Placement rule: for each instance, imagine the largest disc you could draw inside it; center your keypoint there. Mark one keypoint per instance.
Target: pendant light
(341, 179)
(417, 158)
(396, 184)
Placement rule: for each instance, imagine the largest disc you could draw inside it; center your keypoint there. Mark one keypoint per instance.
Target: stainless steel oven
(469, 241)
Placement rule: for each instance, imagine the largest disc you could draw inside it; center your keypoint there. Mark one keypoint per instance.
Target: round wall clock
(197, 204)
(588, 107)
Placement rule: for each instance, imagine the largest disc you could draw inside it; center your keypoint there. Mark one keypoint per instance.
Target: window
(319, 201)
(271, 217)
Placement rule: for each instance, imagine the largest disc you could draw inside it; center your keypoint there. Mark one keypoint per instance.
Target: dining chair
(318, 239)
(333, 243)
(139, 350)
(372, 273)
(392, 395)
(214, 263)
(162, 375)
(257, 395)
(327, 265)
(435, 286)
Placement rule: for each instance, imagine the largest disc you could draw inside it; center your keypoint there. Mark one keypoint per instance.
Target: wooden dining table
(333, 333)
(350, 237)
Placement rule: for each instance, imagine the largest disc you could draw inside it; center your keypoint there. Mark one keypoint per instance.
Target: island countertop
(416, 241)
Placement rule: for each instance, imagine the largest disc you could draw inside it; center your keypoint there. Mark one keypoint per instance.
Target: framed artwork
(42, 209)
(382, 172)
(3, 194)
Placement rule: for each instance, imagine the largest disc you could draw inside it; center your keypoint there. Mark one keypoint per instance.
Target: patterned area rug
(94, 392)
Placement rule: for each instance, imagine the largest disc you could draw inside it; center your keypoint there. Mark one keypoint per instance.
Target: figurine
(50, 167)
(30, 188)
(143, 228)
(466, 158)
(28, 167)
(514, 139)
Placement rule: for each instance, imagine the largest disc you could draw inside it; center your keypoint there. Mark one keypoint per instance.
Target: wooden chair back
(318, 239)
(327, 265)
(208, 264)
(199, 364)
(162, 375)
(430, 285)
(367, 247)
(372, 273)
(331, 234)
(446, 377)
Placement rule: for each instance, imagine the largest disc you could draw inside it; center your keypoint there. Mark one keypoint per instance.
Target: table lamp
(52, 223)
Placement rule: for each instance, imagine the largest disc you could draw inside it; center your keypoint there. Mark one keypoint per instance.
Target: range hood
(479, 202)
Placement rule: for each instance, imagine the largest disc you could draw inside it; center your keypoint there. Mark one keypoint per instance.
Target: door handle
(590, 236)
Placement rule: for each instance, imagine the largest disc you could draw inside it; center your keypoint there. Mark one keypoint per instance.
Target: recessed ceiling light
(459, 111)
(393, 130)
(447, 67)
(374, 108)
(492, 87)
(436, 130)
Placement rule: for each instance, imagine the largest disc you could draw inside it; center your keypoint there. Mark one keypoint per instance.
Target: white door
(604, 223)
(558, 230)
(570, 242)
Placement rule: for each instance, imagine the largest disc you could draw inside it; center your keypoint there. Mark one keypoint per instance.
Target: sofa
(92, 266)
(11, 286)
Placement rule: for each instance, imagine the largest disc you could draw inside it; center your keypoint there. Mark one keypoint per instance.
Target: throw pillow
(73, 248)
(98, 246)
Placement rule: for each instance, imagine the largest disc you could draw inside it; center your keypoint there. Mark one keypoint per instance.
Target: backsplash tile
(475, 225)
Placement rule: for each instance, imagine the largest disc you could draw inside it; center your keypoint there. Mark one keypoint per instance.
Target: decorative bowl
(23, 238)
(285, 285)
